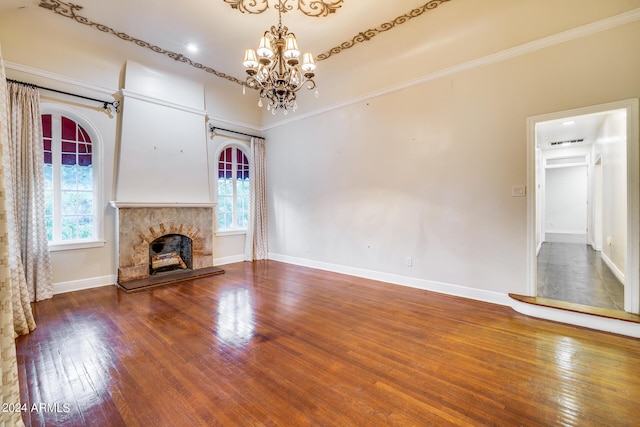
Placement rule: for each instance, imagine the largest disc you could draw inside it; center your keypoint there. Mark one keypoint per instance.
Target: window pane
(69, 201)
(69, 228)
(84, 136)
(224, 221)
(225, 187)
(85, 178)
(85, 227)
(243, 219)
(68, 129)
(48, 177)
(84, 202)
(69, 159)
(69, 177)
(46, 125)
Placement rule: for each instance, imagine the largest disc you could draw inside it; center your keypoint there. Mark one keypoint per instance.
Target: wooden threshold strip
(578, 308)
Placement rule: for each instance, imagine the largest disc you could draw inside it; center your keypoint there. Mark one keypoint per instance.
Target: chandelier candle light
(274, 68)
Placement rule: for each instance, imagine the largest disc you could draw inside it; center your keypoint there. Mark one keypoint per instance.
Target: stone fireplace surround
(139, 224)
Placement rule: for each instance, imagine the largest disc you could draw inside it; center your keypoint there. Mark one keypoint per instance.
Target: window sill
(231, 232)
(67, 246)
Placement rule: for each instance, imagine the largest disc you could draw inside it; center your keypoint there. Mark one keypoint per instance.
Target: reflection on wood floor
(570, 270)
(269, 343)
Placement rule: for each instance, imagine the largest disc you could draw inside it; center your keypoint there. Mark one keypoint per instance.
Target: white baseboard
(614, 268)
(228, 260)
(396, 279)
(568, 317)
(564, 232)
(78, 285)
(599, 323)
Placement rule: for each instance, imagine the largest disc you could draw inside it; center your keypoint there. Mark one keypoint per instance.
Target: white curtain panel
(10, 389)
(256, 244)
(29, 258)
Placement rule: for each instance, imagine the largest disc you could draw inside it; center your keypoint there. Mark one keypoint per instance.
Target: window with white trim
(71, 187)
(233, 189)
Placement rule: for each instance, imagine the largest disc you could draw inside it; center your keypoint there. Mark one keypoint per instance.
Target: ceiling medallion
(275, 70)
(367, 35)
(314, 8)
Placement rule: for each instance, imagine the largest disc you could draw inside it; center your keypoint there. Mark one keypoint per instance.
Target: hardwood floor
(570, 270)
(269, 343)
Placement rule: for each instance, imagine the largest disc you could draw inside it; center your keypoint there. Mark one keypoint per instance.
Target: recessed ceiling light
(191, 47)
(568, 123)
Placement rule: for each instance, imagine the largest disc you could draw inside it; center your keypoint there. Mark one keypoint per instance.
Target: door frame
(632, 270)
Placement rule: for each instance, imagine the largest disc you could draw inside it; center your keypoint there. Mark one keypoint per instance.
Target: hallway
(570, 270)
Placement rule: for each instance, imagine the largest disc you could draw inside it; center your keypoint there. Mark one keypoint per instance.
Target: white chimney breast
(163, 152)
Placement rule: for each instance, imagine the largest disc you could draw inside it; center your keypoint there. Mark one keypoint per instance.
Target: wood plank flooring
(273, 344)
(571, 271)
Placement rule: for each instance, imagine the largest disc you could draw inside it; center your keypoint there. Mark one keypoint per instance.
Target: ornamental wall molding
(364, 36)
(70, 10)
(313, 8)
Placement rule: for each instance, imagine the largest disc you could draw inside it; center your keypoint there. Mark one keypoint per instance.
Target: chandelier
(275, 68)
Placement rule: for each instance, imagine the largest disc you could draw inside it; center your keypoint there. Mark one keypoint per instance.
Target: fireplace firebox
(170, 252)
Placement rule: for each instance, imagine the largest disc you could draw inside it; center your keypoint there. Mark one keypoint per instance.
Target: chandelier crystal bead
(274, 68)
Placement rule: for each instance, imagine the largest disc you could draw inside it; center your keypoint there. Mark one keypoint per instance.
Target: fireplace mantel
(119, 205)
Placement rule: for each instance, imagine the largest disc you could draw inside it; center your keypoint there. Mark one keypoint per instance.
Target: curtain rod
(114, 104)
(213, 129)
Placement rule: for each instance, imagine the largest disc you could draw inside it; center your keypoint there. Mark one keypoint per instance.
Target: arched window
(233, 189)
(71, 185)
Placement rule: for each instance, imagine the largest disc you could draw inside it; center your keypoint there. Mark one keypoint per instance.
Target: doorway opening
(583, 172)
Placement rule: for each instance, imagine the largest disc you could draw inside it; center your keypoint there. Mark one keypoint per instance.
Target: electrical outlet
(408, 261)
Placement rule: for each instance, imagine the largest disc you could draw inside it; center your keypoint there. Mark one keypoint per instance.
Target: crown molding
(555, 39)
(523, 49)
(130, 94)
(58, 78)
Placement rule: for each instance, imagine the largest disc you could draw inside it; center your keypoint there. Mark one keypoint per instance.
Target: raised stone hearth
(140, 224)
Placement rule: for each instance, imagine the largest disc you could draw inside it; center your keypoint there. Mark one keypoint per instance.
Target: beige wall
(427, 172)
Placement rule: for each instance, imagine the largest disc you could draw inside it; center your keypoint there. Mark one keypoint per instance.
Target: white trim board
(228, 260)
(614, 268)
(578, 319)
(78, 285)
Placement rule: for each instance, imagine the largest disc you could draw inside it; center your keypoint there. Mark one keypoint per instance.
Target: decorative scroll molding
(68, 10)
(313, 8)
(308, 7)
(372, 32)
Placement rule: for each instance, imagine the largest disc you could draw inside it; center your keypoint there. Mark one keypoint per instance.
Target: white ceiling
(584, 127)
(452, 32)
(221, 32)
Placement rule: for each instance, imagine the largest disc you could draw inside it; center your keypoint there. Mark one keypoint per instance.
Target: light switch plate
(518, 191)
